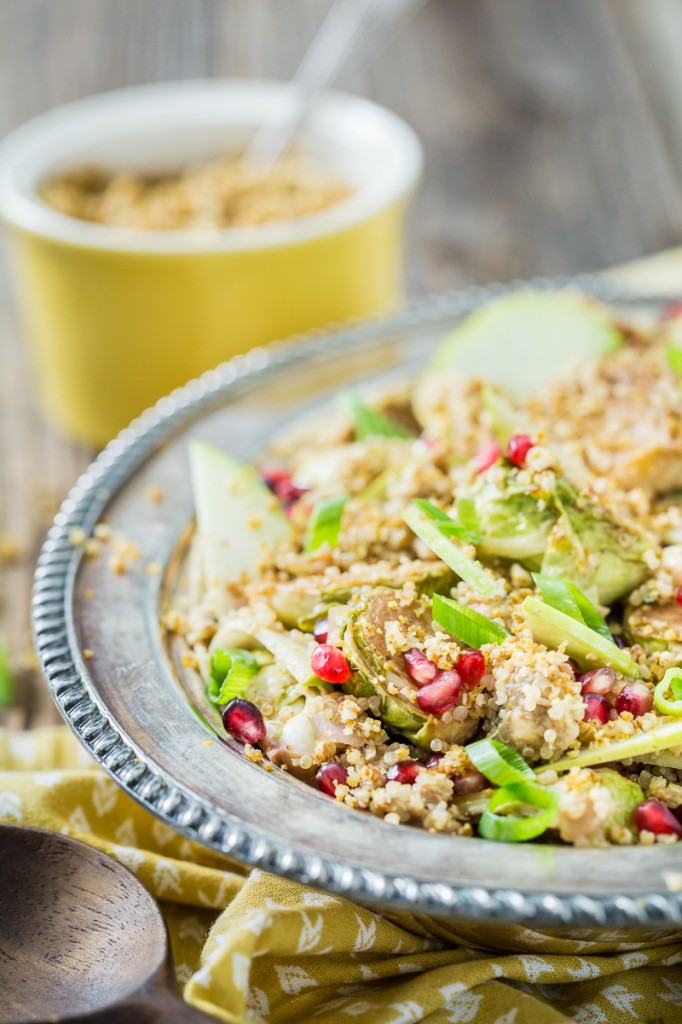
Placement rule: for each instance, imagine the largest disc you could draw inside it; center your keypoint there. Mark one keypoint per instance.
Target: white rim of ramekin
(22, 207)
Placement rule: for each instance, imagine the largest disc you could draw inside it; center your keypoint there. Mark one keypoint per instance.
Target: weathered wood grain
(79, 934)
(552, 137)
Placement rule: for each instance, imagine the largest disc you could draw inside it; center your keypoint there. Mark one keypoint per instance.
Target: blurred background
(552, 134)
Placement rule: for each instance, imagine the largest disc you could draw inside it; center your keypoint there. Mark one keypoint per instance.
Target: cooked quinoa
(428, 594)
(226, 192)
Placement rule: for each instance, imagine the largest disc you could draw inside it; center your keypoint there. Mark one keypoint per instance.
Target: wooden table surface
(553, 139)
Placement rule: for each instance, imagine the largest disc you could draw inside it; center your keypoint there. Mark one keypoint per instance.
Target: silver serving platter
(131, 704)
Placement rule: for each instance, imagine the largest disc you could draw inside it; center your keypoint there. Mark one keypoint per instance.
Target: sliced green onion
(368, 422)
(467, 529)
(555, 593)
(592, 617)
(674, 357)
(466, 568)
(376, 488)
(671, 682)
(569, 599)
(498, 762)
(433, 512)
(232, 669)
(6, 677)
(514, 829)
(468, 625)
(325, 523)
(663, 737)
(468, 516)
(553, 628)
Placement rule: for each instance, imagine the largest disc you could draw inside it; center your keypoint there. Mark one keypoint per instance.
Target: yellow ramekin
(118, 317)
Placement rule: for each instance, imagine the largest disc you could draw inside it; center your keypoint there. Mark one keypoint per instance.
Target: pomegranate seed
(272, 476)
(635, 698)
(599, 680)
(619, 641)
(288, 492)
(280, 483)
(518, 449)
(329, 776)
(420, 669)
(652, 816)
(597, 708)
(472, 782)
(574, 667)
(329, 664)
(321, 630)
(671, 311)
(678, 596)
(437, 697)
(243, 721)
(403, 771)
(434, 761)
(486, 456)
(471, 668)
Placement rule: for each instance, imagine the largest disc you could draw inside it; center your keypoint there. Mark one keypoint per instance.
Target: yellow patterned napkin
(251, 947)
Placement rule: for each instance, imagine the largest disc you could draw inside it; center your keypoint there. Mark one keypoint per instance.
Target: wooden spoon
(80, 937)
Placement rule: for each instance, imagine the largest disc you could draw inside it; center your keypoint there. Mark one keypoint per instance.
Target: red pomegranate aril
(671, 311)
(329, 664)
(420, 669)
(652, 816)
(321, 630)
(597, 708)
(280, 483)
(439, 696)
(678, 596)
(486, 456)
(329, 776)
(434, 761)
(288, 492)
(472, 782)
(599, 680)
(471, 668)
(243, 721)
(518, 448)
(403, 771)
(574, 667)
(635, 698)
(273, 475)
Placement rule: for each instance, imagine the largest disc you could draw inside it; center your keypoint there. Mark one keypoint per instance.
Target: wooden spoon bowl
(79, 935)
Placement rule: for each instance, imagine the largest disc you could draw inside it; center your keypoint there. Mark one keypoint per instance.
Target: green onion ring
(498, 762)
(510, 828)
(671, 681)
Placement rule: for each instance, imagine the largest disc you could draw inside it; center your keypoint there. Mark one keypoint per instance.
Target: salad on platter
(458, 605)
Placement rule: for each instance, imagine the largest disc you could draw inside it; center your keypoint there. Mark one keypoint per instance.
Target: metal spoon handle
(352, 28)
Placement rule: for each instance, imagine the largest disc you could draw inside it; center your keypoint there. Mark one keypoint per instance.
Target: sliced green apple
(521, 341)
(238, 519)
